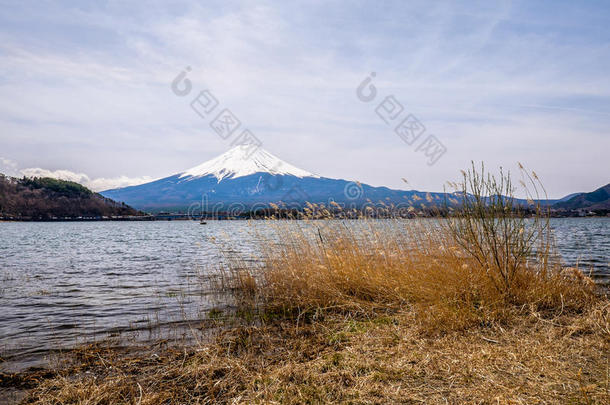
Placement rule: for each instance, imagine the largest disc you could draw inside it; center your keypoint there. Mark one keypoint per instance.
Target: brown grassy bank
(383, 359)
(473, 309)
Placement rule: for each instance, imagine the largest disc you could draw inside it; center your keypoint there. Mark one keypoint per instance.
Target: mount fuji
(251, 180)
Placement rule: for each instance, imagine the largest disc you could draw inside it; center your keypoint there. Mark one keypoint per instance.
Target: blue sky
(86, 91)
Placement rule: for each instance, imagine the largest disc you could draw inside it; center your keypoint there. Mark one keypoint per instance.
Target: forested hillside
(47, 198)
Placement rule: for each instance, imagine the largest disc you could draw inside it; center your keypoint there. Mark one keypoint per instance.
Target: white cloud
(96, 184)
(101, 183)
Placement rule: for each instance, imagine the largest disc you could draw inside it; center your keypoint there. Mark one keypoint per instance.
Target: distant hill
(47, 198)
(567, 197)
(598, 200)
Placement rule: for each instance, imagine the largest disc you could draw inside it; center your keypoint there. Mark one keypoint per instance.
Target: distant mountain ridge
(239, 180)
(596, 200)
(47, 198)
(569, 196)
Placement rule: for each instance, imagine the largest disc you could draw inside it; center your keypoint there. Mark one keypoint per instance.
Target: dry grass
(341, 359)
(386, 267)
(489, 260)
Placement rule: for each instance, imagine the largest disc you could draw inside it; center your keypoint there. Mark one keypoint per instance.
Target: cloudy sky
(86, 87)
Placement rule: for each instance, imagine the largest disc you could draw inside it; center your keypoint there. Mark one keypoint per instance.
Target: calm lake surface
(67, 282)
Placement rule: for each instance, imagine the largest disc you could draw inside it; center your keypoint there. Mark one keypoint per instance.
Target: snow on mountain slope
(239, 162)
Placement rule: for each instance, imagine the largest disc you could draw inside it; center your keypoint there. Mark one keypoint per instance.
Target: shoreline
(186, 217)
(385, 357)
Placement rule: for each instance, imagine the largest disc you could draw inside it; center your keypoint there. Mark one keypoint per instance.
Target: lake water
(64, 282)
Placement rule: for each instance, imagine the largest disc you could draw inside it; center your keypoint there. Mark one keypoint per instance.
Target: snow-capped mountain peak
(240, 161)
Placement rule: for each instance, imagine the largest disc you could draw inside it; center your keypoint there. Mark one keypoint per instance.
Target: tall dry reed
(487, 260)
